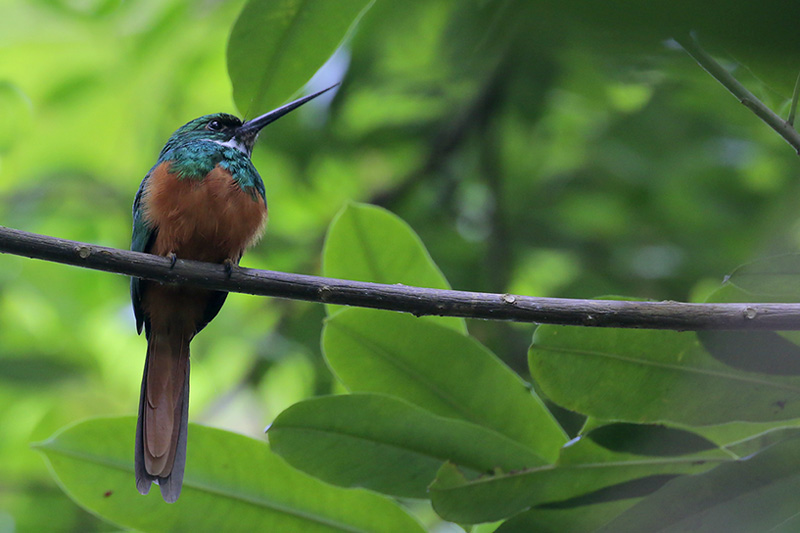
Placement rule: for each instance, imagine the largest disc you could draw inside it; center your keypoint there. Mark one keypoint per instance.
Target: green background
(537, 148)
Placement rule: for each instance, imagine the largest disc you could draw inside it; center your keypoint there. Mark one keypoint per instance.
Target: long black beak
(250, 129)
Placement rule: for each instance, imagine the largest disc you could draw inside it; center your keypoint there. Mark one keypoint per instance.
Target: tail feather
(160, 454)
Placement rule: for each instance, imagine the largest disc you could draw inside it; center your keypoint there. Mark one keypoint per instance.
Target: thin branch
(783, 127)
(415, 300)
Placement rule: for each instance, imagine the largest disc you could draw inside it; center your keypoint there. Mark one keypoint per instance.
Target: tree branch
(415, 300)
(783, 127)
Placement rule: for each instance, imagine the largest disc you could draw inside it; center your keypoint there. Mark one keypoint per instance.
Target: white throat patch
(235, 143)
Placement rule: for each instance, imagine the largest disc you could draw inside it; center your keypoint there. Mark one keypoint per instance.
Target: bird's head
(229, 130)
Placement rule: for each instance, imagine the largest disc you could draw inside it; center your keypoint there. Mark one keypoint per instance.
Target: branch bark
(784, 127)
(416, 300)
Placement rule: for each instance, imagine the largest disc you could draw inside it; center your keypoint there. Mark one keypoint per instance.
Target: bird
(202, 200)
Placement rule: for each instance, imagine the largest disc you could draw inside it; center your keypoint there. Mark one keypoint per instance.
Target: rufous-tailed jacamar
(202, 200)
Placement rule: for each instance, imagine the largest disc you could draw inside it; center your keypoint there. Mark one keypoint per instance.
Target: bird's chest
(209, 219)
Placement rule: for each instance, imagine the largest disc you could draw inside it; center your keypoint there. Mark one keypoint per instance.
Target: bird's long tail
(163, 414)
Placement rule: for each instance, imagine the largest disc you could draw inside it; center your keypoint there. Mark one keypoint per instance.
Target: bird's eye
(214, 125)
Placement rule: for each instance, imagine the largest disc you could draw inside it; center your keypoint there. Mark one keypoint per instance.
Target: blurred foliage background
(539, 148)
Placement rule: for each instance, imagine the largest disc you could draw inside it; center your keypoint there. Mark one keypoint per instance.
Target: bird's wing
(141, 241)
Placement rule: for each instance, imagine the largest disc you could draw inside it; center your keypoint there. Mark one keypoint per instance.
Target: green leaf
(742, 496)
(586, 518)
(585, 474)
(385, 444)
(648, 439)
(767, 352)
(653, 376)
(275, 47)
(436, 368)
(368, 243)
(746, 438)
(230, 479)
(756, 443)
(774, 279)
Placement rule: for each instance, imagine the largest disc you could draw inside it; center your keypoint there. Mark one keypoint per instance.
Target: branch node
(750, 313)
(83, 252)
(325, 293)
(749, 104)
(509, 298)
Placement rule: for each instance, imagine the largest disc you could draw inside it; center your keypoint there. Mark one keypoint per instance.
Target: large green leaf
(735, 436)
(232, 483)
(585, 474)
(647, 439)
(385, 444)
(276, 46)
(368, 243)
(774, 279)
(743, 496)
(440, 370)
(652, 376)
(649, 376)
(586, 518)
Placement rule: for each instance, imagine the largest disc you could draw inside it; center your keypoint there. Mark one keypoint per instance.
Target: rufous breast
(210, 219)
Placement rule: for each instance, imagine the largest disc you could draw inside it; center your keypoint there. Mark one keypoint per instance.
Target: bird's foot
(228, 264)
(173, 258)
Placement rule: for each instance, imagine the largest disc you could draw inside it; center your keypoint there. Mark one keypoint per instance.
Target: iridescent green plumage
(195, 150)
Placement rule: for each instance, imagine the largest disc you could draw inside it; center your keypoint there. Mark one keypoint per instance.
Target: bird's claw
(228, 264)
(173, 258)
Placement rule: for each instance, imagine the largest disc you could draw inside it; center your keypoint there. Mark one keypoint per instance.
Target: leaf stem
(783, 127)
